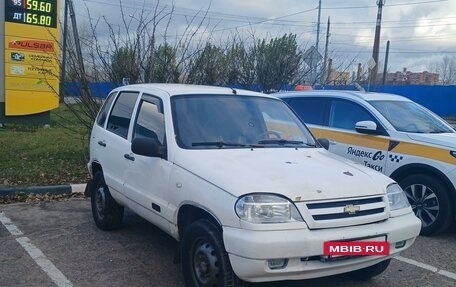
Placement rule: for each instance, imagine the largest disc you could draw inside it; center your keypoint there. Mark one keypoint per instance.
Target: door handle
(129, 157)
(102, 143)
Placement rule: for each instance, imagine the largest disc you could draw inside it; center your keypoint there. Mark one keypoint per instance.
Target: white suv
(240, 182)
(393, 135)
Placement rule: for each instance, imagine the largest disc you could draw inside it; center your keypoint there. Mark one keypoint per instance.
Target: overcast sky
(421, 32)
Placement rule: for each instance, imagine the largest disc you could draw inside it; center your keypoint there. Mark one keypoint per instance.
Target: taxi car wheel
(430, 202)
(204, 259)
(371, 271)
(106, 212)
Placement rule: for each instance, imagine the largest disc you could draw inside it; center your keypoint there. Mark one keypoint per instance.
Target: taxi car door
(367, 149)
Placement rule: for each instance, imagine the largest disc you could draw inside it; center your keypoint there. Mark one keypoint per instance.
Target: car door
(114, 141)
(146, 178)
(367, 149)
(335, 119)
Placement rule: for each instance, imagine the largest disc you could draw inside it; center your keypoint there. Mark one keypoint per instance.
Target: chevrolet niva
(392, 135)
(240, 182)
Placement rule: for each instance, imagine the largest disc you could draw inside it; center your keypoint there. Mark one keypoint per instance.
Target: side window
(103, 114)
(345, 115)
(120, 117)
(150, 121)
(310, 110)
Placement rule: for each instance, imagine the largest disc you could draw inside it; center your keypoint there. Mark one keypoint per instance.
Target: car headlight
(396, 197)
(266, 208)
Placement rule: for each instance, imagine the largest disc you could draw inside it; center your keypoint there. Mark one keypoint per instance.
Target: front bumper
(250, 250)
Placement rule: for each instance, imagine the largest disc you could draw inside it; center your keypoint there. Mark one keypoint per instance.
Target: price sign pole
(30, 60)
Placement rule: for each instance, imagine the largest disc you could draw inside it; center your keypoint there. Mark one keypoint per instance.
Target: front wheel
(204, 259)
(430, 201)
(371, 271)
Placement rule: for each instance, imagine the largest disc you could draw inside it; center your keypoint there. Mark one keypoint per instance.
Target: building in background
(338, 78)
(410, 78)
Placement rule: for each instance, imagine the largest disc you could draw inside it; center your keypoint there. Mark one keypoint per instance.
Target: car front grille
(345, 212)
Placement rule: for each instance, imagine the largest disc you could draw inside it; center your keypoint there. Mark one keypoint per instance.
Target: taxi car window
(345, 115)
(105, 109)
(120, 117)
(411, 117)
(150, 121)
(310, 110)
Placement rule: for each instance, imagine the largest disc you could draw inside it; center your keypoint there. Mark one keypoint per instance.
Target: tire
(204, 259)
(106, 212)
(430, 201)
(371, 271)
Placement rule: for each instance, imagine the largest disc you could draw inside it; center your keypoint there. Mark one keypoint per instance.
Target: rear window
(103, 114)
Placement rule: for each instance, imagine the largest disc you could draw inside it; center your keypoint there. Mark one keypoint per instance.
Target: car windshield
(234, 121)
(410, 117)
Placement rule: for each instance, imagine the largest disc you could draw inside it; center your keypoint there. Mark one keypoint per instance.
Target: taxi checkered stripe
(395, 158)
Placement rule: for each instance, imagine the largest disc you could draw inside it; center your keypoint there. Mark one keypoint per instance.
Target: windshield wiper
(280, 142)
(219, 144)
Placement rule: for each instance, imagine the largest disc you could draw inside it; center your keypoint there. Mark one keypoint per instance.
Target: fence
(439, 99)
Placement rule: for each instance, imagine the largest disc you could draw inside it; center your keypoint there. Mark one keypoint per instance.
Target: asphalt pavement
(56, 243)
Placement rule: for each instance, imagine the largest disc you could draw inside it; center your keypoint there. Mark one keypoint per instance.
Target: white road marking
(9, 225)
(427, 267)
(46, 265)
(61, 281)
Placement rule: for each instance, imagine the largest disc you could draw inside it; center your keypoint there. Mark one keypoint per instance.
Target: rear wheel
(430, 201)
(204, 259)
(106, 212)
(371, 271)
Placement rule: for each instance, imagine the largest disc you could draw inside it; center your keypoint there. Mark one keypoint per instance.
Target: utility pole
(326, 71)
(385, 69)
(64, 52)
(77, 43)
(376, 48)
(318, 25)
(314, 64)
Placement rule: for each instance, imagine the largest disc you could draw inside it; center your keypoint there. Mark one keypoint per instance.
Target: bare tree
(446, 68)
(143, 49)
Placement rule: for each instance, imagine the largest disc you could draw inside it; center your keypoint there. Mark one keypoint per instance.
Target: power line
(392, 50)
(389, 5)
(279, 21)
(194, 12)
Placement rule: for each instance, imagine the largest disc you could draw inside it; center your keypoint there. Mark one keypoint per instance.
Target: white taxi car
(239, 181)
(393, 135)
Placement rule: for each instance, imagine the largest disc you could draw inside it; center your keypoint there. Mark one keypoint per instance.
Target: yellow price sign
(31, 56)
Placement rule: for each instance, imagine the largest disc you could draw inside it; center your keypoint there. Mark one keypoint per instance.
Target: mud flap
(89, 187)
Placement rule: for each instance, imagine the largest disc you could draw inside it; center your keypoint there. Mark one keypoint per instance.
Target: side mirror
(324, 143)
(366, 127)
(147, 147)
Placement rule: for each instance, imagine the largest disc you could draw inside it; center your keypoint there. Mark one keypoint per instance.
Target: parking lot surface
(57, 244)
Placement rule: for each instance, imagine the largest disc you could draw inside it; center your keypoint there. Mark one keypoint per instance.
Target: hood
(299, 174)
(446, 139)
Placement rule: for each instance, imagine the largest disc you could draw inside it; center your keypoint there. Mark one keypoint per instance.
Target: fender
(412, 168)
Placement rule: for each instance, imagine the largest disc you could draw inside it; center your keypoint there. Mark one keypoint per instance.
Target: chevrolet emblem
(351, 209)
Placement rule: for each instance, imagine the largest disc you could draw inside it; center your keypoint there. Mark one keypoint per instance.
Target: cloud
(419, 30)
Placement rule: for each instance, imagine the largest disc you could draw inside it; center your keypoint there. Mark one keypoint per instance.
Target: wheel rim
(100, 201)
(424, 203)
(205, 263)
